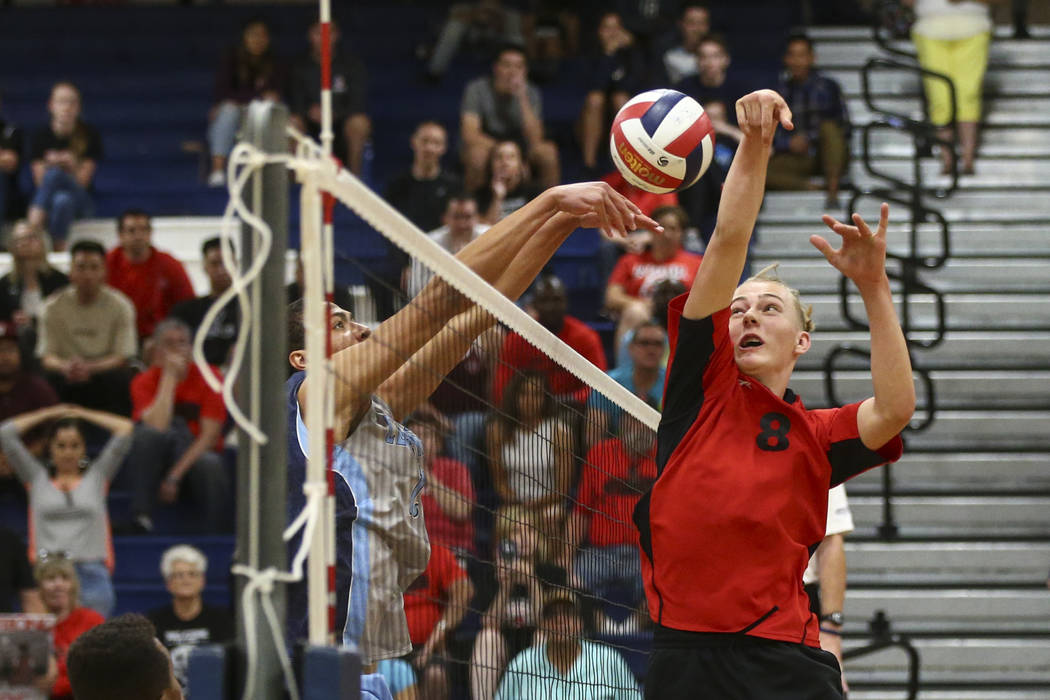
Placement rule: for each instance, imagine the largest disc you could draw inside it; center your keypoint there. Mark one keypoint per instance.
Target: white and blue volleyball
(662, 141)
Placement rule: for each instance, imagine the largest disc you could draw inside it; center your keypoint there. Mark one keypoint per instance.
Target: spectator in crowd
(10, 162)
(448, 498)
(505, 107)
(64, 155)
(530, 450)
(952, 39)
(552, 32)
(712, 80)
(18, 589)
(630, 289)
(509, 186)
(60, 591)
(679, 61)
(188, 621)
(617, 71)
(222, 333)
(67, 492)
(248, 71)
(434, 606)
(350, 122)
(30, 281)
(550, 302)
(400, 678)
(294, 290)
(565, 661)
(87, 335)
(701, 200)
(178, 436)
(121, 659)
(825, 577)
(509, 621)
(461, 226)
(484, 25)
(154, 280)
(642, 375)
(819, 145)
(648, 20)
(617, 471)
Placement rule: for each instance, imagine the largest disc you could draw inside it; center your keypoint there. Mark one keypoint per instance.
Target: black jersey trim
(760, 620)
(645, 541)
(684, 394)
(849, 458)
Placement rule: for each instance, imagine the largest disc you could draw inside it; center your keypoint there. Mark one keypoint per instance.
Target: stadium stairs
(965, 578)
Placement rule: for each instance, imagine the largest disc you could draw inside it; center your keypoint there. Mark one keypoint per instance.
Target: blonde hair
(805, 311)
(59, 566)
(43, 265)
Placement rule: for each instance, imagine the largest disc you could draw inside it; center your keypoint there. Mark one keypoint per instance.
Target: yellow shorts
(962, 60)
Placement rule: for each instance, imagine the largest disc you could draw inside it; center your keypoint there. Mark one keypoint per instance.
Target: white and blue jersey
(381, 539)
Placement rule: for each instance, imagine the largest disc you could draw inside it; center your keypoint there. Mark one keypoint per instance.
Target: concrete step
(811, 274)
(860, 34)
(1012, 81)
(782, 239)
(1006, 516)
(854, 53)
(962, 311)
(961, 472)
(925, 609)
(999, 110)
(984, 430)
(992, 173)
(947, 563)
(959, 660)
(959, 389)
(1006, 141)
(960, 349)
(1016, 206)
(858, 691)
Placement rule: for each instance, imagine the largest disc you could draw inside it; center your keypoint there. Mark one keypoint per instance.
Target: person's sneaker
(217, 179)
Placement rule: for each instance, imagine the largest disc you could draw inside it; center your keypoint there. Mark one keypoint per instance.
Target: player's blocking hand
(759, 112)
(862, 256)
(597, 205)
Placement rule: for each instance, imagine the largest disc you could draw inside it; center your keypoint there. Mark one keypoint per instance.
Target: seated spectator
(509, 186)
(121, 659)
(18, 589)
(484, 25)
(549, 301)
(64, 155)
(188, 621)
(461, 226)
(648, 20)
(565, 662)
(350, 123)
(30, 281)
(448, 498)
(87, 335)
(508, 623)
(68, 515)
(11, 205)
(616, 473)
(642, 375)
(178, 435)
(819, 144)
(617, 73)
(530, 451)
(434, 606)
(60, 591)
(712, 80)
(679, 61)
(505, 107)
(400, 678)
(630, 289)
(154, 280)
(222, 334)
(250, 70)
(552, 32)
(701, 200)
(611, 249)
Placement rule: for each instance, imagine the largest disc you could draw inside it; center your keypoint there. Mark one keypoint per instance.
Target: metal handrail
(878, 30)
(884, 639)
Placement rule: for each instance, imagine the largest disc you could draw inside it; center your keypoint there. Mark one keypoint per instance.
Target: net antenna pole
(261, 496)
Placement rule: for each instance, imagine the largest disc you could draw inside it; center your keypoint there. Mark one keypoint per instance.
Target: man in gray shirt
(505, 107)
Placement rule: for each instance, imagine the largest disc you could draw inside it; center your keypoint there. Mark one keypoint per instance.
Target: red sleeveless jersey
(740, 502)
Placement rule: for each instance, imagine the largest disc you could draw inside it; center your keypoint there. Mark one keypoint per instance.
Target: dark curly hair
(119, 660)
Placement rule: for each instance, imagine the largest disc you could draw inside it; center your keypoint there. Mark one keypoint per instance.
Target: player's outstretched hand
(759, 112)
(597, 205)
(862, 256)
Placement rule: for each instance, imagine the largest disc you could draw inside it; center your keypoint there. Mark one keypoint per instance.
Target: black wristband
(828, 630)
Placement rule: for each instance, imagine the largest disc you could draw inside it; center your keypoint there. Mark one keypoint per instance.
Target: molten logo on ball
(639, 167)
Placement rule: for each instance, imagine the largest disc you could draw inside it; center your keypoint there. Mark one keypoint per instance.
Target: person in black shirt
(350, 122)
(223, 332)
(64, 156)
(18, 591)
(188, 621)
(509, 187)
(10, 161)
(713, 81)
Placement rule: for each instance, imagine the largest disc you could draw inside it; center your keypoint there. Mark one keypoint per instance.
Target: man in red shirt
(154, 281)
(740, 502)
(179, 433)
(630, 289)
(448, 499)
(550, 304)
(434, 606)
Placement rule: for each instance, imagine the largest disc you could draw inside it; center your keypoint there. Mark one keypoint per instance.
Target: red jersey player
(744, 468)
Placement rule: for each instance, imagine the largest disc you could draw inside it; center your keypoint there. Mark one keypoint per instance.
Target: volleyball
(662, 141)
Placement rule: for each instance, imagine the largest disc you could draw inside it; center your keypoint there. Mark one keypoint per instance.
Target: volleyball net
(492, 542)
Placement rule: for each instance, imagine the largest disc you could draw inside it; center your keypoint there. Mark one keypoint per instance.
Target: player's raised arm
(862, 258)
(758, 115)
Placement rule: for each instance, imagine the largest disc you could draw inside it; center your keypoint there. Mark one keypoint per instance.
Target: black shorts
(696, 666)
